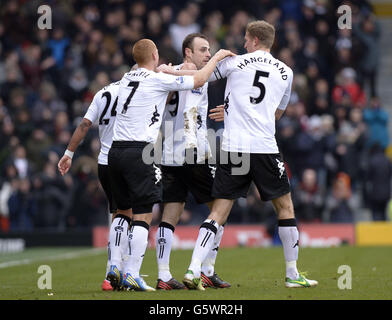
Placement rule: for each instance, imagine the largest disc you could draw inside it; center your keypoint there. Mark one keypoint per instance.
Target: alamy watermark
(44, 281)
(345, 18)
(171, 150)
(45, 20)
(345, 280)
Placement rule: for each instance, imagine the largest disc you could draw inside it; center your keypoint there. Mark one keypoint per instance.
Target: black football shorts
(104, 179)
(136, 184)
(267, 171)
(195, 178)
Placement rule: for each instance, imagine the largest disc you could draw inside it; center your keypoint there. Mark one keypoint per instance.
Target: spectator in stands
(48, 102)
(184, 25)
(342, 203)
(376, 118)
(52, 197)
(346, 85)
(378, 175)
(22, 206)
(8, 185)
(308, 198)
(351, 139)
(92, 46)
(368, 32)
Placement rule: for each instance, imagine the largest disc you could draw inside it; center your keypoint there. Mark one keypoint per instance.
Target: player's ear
(155, 55)
(188, 52)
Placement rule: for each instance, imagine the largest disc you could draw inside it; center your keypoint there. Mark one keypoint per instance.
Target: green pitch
(254, 273)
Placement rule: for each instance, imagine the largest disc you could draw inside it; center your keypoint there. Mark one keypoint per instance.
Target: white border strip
(61, 256)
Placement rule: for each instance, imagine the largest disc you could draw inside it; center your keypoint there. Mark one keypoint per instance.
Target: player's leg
(138, 241)
(174, 193)
(205, 241)
(208, 275)
(289, 235)
(199, 179)
(164, 239)
(226, 188)
(144, 187)
(118, 237)
(270, 177)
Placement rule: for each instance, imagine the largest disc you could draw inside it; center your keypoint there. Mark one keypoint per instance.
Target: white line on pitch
(61, 256)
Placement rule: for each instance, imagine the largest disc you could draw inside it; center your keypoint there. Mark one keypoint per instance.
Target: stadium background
(334, 135)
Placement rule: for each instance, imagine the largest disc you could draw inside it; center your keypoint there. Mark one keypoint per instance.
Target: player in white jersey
(186, 117)
(136, 179)
(102, 111)
(257, 93)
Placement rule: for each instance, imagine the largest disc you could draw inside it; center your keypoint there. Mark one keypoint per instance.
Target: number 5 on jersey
(258, 84)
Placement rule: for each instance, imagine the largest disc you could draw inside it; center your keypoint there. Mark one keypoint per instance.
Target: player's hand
(64, 164)
(166, 68)
(188, 66)
(222, 53)
(217, 114)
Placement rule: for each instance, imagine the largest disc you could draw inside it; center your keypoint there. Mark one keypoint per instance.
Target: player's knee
(284, 207)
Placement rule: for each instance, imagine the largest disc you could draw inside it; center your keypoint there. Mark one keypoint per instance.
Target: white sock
(208, 264)
(204, 243)
(138, 240)
(107, 268)
(118, 238)
(124, 251)
(289, 235)
(163, 241)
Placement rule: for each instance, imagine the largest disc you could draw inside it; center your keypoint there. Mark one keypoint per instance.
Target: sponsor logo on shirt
(180, 80)
(198, 90)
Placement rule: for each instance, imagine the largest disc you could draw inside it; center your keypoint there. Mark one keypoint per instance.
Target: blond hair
(142, 51)
(263, 31)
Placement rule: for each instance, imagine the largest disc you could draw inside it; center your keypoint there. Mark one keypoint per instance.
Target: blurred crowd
(333, 136)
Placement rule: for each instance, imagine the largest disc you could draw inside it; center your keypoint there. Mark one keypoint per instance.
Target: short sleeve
(169, 82)
(223, 69)
(92, 112)
(286, 96)
(193, 98)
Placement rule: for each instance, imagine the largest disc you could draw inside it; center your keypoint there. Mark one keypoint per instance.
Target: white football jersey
(141, 103)
(103, 111)
(257, 84)
(185, 126)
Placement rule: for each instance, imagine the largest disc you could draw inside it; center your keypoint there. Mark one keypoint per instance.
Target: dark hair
(188, 41)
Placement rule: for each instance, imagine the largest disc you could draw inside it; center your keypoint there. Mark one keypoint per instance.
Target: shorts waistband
(129, 144)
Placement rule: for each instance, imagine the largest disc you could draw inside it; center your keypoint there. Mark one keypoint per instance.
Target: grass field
(255, 274)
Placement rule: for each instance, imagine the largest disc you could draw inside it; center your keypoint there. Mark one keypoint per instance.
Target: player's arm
(185, 66)
(204, 74)
(78, 135)
(218, 113)
(285, 99)
(279, 113)
(187, 69)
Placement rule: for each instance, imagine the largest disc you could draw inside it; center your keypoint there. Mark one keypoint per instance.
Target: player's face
(201, 52)
(249, 45)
